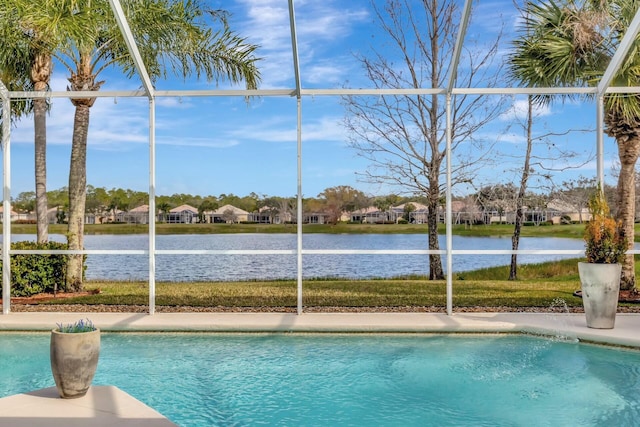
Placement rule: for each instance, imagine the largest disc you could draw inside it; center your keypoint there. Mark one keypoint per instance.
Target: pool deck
(109, 406)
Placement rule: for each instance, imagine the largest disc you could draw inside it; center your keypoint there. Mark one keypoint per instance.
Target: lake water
(247, 267)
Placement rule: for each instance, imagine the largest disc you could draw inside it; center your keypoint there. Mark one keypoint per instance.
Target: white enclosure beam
(620, 54)
(453, 74)
(152, 205)
(6, 199)
(462, 32)
(600, 140)
(448, 215)
(133, 47)
(296, 68)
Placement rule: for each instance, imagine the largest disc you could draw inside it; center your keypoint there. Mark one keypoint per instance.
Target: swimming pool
(353, 380)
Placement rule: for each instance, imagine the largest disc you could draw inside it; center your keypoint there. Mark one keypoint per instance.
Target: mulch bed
(32, 304)
(631, 297)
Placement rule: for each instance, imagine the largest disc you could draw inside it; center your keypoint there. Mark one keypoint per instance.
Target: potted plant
(606, 245)
(75, 349)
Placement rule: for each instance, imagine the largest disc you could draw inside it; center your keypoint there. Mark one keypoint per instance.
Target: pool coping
(102, 406)
(568, 325)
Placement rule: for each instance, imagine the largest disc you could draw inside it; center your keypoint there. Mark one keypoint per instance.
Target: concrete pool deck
(625, 333)
(109, 406)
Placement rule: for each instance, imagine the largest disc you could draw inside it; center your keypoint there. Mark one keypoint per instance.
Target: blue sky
(210, 146)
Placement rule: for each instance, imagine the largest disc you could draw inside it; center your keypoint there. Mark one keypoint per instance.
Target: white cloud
(319, 25)
(519, 109)
(197, 142)
(173, 102)
(112, 125)
(283, 129)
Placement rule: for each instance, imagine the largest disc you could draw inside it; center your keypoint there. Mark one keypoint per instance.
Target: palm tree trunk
(40, 143)
(628, 151)
(77, 195)
(40, 75)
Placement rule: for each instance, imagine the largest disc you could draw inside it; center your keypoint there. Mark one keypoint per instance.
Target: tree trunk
(515, 239)
(40, 75)
(628, 151)
(40, 147)
(435, 260)
(77, 196)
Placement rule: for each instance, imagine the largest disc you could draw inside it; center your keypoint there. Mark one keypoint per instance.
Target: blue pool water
(353, 380)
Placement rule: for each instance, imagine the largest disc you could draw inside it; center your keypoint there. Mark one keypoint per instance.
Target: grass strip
(539, 285)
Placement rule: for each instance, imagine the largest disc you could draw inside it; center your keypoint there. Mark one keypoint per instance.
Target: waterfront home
(138, 215)
(226, 214)
(183, 214)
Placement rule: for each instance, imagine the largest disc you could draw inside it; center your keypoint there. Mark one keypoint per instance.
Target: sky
(226, 145)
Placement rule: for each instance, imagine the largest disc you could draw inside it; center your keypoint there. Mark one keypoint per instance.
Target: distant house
(227, 214)
(557, 209)
(14, 216)
(270, 215)
(139, 215)
(315, 218)
(418, 215)
(183, 214)
(369, 215)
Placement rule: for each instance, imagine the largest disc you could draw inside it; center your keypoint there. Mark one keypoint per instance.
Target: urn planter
(74, 359)
(600, 293)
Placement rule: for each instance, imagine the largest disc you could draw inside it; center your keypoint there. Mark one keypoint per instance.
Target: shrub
(603, 235)
(33, 274)
(76, 328)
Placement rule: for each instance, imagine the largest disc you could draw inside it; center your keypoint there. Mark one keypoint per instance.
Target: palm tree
(163, 208)
(179, 41)
(567, 43)
(25, 52)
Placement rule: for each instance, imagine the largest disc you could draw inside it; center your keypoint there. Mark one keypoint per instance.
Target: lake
(205, 267)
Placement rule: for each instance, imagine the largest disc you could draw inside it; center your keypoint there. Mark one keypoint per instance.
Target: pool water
(353, 380)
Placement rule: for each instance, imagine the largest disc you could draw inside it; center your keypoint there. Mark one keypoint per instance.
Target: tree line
(333, 202)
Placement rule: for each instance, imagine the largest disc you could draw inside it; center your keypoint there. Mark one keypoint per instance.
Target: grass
(539, 286)
(573, 230)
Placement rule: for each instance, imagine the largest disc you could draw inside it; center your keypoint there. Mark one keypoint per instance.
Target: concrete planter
(74, 359)
(600, 293)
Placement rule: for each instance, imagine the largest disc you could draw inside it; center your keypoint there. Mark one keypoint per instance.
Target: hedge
(35, 273)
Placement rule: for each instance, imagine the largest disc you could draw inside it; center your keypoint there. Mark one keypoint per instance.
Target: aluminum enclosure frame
(299, 93)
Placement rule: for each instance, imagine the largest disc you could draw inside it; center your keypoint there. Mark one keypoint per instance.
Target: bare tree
(404, 136)
(285, 206)
(575, 194)
(229, 216)
(534, 165)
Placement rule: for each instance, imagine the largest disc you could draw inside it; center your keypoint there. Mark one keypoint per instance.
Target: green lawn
(540, 286)
(573, 230)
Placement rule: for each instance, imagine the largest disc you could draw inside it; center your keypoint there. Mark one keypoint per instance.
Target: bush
(603, 235)
(24, 221)
(402, 221)
(33, 274)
